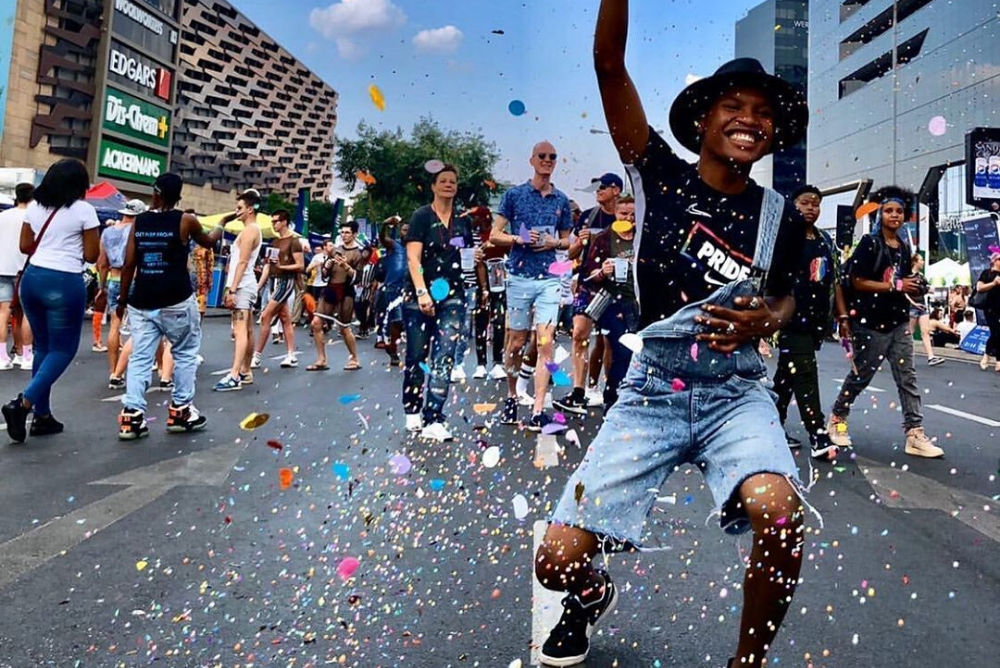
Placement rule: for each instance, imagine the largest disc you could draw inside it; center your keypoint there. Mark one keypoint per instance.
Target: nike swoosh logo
(692, 209)
(709, 279)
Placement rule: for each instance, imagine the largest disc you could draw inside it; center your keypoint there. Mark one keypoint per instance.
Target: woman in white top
(67, 233)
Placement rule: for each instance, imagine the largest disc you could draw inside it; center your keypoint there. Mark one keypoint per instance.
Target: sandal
(353, 365)
(317, 367)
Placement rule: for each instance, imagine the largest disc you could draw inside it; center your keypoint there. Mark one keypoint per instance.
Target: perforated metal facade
(248, 114)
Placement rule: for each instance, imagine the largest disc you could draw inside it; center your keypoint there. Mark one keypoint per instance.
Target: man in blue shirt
(540, 221)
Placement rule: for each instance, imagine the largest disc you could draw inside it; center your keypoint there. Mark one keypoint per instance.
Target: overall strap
(771, 210)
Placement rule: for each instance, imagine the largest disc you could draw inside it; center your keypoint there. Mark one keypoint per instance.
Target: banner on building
(982, 168)
(136, 118)
(302, 213)
(129, 163)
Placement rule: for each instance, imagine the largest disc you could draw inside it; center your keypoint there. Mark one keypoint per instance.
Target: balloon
(517, 108)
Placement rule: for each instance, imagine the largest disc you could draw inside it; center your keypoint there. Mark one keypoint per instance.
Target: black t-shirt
(694, 239)
(602, 220)
(441, 256)
(992, 296)
(877, 261)
(814, 278)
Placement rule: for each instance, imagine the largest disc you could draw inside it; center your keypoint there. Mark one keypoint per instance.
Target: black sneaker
(572, 403)
(132, 425)
(45, 425)
(183, 419)
(115, 383)
(166, 384)
(509, 413)
(792, 442)
(822, 447)
(539, 421)
(569, 642)
(16, 417)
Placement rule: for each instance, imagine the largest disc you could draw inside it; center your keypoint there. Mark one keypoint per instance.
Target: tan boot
(918, 445)
(837, 429)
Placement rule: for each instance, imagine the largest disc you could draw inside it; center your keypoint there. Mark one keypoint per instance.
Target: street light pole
(895, 84)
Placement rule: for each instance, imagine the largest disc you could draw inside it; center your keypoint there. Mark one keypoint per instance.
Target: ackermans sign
(129, 67)
(129, 163)
(136, 118)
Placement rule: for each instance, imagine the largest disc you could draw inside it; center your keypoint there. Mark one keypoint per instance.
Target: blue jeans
(720, 417)
(438, 337)
(621, 317)
(54, 302)
(181, 325)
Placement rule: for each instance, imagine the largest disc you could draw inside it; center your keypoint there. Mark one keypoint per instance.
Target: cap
(168, 186)
(994, 256)
(609, 179)
(134, 207)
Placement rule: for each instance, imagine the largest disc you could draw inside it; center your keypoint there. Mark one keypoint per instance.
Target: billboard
(141, 25)
(982, 168)
(7, 13)
(135, 118)
(130, 69)
(129, 163)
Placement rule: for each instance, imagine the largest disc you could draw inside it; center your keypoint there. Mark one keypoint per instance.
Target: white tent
(947, 272)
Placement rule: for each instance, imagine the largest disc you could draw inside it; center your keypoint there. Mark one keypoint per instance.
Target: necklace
(446, 221)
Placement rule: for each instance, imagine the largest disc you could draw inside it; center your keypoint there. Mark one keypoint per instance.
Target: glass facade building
(776, 32)
(947, 57)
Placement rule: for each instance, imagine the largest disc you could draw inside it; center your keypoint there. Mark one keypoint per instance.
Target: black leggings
(993, 344)
(495, 316)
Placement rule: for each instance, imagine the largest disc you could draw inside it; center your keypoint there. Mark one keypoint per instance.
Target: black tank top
(162, 277)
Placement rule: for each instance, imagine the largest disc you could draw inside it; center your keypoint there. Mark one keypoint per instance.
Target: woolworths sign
(128, 163)
(136, 118)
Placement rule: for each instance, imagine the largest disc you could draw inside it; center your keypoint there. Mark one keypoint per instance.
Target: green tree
(396, 161)
(320, 217)
(275, 201)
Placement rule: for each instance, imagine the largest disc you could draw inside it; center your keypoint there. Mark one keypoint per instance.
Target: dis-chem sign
(135, 118)
(129, 163)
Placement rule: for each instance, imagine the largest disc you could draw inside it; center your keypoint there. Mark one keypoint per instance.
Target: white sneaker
(289, 362)
(414, 422)
(199, 359)
(525, 399)
(6, 365)
(27, 362)
(256, 360)
(17, 361)
(458, 375)
(436, 432)
(498, 372)
(595, 398)
(837, 430)
(479, 373)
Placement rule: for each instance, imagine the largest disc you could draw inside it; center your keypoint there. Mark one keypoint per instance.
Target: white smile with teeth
(744, 137)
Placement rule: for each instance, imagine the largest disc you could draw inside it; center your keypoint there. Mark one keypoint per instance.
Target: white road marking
(964, 415)
(546, 605)
(144, 485)
(903, 489)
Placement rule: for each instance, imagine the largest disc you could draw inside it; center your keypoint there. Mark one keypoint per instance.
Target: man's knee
(774, 508)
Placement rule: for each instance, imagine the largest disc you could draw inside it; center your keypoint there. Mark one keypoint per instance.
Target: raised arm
(622, 106)
(193, 230)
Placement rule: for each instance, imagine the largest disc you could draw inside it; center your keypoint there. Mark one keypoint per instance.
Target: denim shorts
(727, 426)
(114, 290)
(523, 294)
(6, 289)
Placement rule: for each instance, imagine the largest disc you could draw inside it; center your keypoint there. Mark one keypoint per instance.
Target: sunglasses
(547, 156)
(604, 186)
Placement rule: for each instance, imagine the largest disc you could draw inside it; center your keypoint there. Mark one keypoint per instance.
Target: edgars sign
(138, 73)
(129, 163)
(136, 118)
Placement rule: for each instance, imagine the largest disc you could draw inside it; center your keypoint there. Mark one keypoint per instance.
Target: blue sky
(442, 59)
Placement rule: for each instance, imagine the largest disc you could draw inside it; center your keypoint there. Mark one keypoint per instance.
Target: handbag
(977, 300)
(15, 302)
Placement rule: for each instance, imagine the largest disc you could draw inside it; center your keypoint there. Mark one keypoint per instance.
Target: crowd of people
(668, 291)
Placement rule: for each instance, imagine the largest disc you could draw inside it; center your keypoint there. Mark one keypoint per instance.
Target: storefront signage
(129, 163)
(136, 118)
(139, 73)
(982, 168)
(139, 15)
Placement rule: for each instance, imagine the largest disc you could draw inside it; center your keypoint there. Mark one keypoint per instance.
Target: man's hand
(751, 319)
(426, 304)
(910, 286)
(120, 309)
(479, 256)
(583, 235)
(608, 268)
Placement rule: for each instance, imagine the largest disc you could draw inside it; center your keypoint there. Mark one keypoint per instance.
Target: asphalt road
(188, 552)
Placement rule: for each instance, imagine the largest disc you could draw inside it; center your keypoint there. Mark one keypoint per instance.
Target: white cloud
(439, 40)
(346, 20)
(691, 78)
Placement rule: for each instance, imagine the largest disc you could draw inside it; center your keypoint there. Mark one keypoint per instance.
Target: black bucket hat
(791, 114)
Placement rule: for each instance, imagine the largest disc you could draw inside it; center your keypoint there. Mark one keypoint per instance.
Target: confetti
(938, 126)
(520, 506)
(341, 470)
(622, 226)
(365, 177)
(553, 428)
(437, 484)
(491, 457)
(141, 565)
(285, 477)
(694, 351)
(866, 209)
(400, 464)
(457, 242)
(440, 289)
(631, 341)
(253, 421)
(275, 444)
(482, 409)
(561, 268)
(524, 233)
(578, 491)
(347, 567)
(516, 108)
(433, 166)
(677, 385)
(348, 398)
(561, 379)
(378, 99)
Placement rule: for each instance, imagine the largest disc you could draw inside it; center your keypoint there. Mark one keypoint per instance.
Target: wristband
(843, 317)
(898, 285)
